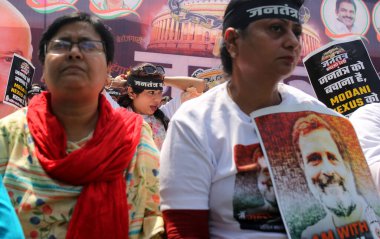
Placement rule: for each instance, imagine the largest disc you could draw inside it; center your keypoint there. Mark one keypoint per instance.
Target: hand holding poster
(212, 76)
(343, 76)
(323, 185)
(19, 81)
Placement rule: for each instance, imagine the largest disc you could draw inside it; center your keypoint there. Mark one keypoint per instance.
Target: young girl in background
(144, 84)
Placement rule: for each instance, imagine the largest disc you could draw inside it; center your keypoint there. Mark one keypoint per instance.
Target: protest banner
(322, 182)
(212, 76)
(184, 35)
(19, 81)
(343, 76)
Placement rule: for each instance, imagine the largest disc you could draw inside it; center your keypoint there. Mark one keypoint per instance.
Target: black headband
(146, 83)
(250, 11)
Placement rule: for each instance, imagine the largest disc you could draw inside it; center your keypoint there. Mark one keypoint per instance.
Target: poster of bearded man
(322, 182)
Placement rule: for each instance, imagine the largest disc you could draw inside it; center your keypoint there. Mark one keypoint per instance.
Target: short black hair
(224, 54)
(136, 70)
(98, 25)
(338, 2)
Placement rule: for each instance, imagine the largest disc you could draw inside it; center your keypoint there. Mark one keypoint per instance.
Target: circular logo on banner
(376, 19)
(345, 18)
(50, 6)
(111, 9)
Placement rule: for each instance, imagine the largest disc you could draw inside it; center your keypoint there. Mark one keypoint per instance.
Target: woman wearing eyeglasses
(144, 84)
(75, 167)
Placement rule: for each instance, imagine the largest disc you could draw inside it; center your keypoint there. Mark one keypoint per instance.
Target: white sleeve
(113, 103)
(171, 107)
(366, 121)
(186, 167)
(375, 172)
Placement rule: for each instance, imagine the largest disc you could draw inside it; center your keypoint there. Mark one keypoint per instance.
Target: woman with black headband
(144, 84)
(202, 194)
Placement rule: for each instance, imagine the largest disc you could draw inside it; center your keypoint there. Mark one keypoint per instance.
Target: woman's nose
(75, 52)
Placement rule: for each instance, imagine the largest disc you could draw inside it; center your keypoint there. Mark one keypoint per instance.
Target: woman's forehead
(79, 28)
(156, 91)
(281, 20)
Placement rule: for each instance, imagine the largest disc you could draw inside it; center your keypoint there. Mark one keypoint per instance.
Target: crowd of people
(96, 156)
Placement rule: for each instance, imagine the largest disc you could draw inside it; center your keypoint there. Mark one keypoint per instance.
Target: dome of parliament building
(193, 27)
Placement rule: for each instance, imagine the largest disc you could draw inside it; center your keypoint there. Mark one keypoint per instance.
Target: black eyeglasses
(151, 70)
(64, 46)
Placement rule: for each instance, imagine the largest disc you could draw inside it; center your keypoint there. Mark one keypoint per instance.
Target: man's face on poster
(13, 40)
(327, 175)
(265, 183)
(346, 14)
(15, 37)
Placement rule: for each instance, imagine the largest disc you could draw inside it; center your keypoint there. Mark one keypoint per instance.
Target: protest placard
(19, 81)
(322, 182)
(343, 76)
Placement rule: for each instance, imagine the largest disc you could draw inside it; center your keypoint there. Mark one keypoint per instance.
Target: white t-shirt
(113, 103)
(340, 28)
(366, 121)
(198, 170)
(171, 107)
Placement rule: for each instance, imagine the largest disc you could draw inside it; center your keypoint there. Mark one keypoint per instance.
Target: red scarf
(101, 210)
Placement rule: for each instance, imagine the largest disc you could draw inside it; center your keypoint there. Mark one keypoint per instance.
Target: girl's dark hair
(58, 23)
(224, 54)
(126, 102)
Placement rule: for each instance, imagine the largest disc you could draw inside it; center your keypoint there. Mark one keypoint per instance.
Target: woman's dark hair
(58, 23)
(224, 54)
(126, 101)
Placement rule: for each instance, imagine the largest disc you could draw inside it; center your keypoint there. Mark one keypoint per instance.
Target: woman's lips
(153, 108)
(288, 58)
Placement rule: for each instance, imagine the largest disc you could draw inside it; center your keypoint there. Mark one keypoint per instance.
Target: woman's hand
(185, 82)
(189, 93)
